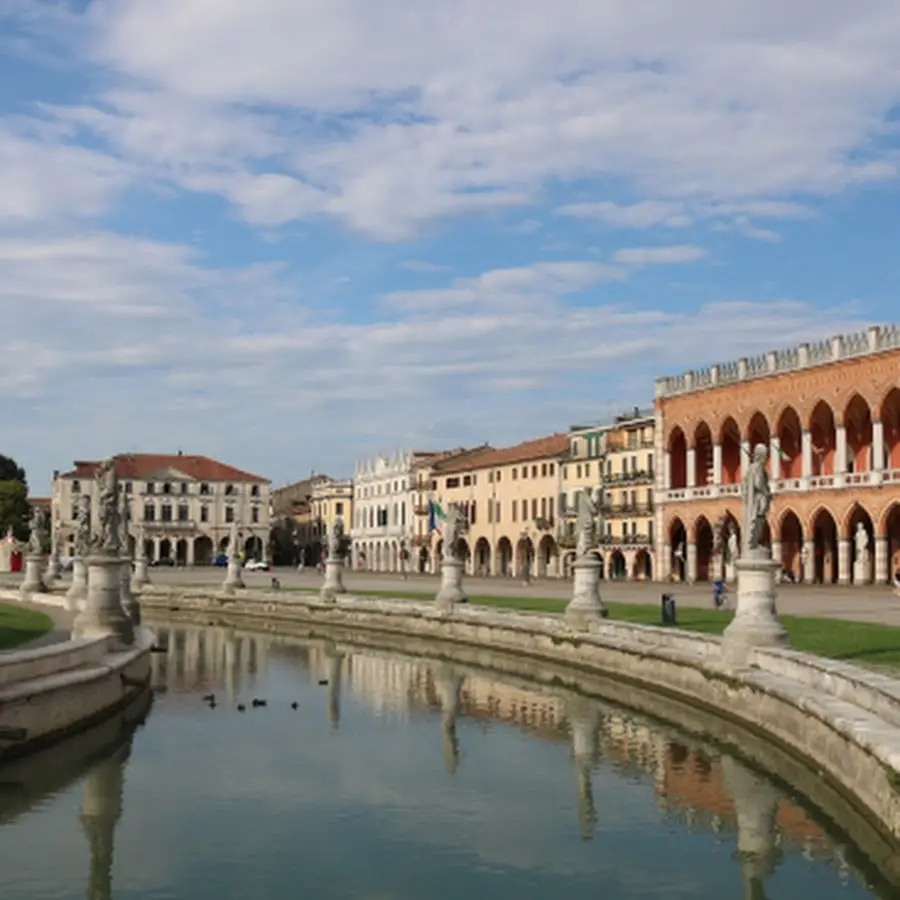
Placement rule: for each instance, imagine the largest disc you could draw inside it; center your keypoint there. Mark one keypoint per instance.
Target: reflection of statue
(861, 539)
(38, 532)
(336, 538)
(588, 510)
(757, 498)
(454, 529)
(108, 507)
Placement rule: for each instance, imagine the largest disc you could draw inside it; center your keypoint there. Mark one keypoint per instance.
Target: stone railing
(876, 339)
(839, 720)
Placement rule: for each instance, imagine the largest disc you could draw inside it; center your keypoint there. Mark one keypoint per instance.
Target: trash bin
(667, 603)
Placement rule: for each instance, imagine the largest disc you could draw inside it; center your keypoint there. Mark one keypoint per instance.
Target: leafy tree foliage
(10, 470)
(14, 508)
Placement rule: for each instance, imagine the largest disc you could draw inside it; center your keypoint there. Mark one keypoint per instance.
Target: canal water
(370, 775)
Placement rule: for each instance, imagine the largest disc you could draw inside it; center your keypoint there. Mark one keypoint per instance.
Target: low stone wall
(841, 720)
(54, 691)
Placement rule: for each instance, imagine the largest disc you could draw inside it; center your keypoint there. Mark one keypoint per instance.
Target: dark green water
(399, 778)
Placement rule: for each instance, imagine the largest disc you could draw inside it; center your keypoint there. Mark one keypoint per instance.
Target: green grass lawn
(18, 624)
(864, 643)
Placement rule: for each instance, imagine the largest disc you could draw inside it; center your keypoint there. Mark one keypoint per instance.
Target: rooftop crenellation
(876, 339)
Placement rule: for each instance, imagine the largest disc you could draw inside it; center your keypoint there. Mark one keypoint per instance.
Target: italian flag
(782, 455)
(435, 515)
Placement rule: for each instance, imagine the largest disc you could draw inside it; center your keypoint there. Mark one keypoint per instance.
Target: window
(650, 530)
(587, 470)
(524, 510)
(543, 507)
(204, 488)
(183, 512)
(497, 476)
(497, 512)
(453, 482)
(184, 487)
(578, 471)
(76, 487)
(524, 471)
(634, 464)
(150, 487)
(74, 511)
(490, 512)
(550, 508)
(229, 490)
(472, 513)
(534, 471)
(467, 480)
(515, 508)
(534, 508)
(339, 508)
(565, 472)
(515, 474)
(543, 469)
(403, 514)
(229, 513)
(204, 513)
(490, 477)
(474, 480)
(149, 512)
(649, 462)
(165, 512)
(167, 488)
(128, 487)
(434, 484)
(254, 514)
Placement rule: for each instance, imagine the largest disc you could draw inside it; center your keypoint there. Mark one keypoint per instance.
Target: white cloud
(419, 265)
(648, 256)
(635, 215)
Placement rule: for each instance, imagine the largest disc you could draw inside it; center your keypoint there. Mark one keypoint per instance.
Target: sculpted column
(34, 556)
(843, 560)
(77, 593)
(103, 614)
(451, 591)
(808, 558)
(233, 579)
(775, 457)
(129, 603)
(667, 470)
(334, 562)
(53, 565)
(586, 608)
(690, 575)
(691, 464)
(882, 575)
(141, 571)
(807, 453)
(755, 622)
(877, 451)
(717, 463)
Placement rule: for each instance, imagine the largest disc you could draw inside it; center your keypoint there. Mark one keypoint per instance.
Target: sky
(291, 234)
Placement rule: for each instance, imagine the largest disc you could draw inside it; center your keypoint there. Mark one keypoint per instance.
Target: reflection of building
(628, 497)
(829, 413)
(185, 505)
(509, 497)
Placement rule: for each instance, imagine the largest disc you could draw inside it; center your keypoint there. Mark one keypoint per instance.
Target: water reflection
(694, 785)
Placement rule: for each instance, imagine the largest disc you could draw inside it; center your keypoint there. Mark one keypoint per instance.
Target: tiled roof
(143, 465)
(43, 503)
(461, 459)
(555, 446)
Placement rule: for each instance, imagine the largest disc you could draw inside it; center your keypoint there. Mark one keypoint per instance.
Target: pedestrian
(719, 589)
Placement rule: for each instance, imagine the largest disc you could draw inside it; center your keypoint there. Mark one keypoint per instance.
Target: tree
(14, 508)
(10, 470)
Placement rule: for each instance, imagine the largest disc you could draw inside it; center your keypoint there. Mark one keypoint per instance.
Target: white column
(717, 463)
(774, 457)
(807, 451)
(877, 451)
(667, 470)
(777, 554)
(691, 467)
(809, 566)
(882, 573)
(690, 575)
(746, 450)
(190, 551)
(843, 560)
(840, 455)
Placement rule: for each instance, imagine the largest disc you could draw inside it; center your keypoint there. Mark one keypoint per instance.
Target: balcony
(627, 509)
(421, 540)
(641, 476)
(159, 525)
(421, 509)
(631, 540)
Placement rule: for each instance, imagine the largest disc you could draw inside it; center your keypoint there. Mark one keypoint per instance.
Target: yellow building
(330, 500)
(509, 497)
(627, 510)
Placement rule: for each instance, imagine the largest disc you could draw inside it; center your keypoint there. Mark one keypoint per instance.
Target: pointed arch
(677, 548)
(790, 440)
(861, 532)
(857, 419)
(703, 454)
(677, 446)
(823, 433)
(823, 529)
(889, 415)
(790, 534)
(730, 440)
(703, 539)
(758, 431)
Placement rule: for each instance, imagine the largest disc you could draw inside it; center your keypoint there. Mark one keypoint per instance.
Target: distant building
(184, 504)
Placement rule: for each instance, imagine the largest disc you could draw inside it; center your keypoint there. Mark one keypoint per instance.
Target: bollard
(667, 604)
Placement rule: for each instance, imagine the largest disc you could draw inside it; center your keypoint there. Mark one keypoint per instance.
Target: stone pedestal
(451, 591)
(103, 613)
(141, 574)
(33, 583)
(129, 602)
(233, 579)
(862, 571)
(53, 569)
(334, 579)
(586, 608)
(755, 622)
(77, 593)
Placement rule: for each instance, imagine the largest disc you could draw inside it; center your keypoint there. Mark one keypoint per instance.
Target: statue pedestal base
(53, 570)
(103, 614)
(129, 603)
(233, 579)
(861, 573)
(729, 572)
(33, 583)
(77, 592)
(141, 574)
(586, 608)
(755, 622)
(451, 591)
(334, 579)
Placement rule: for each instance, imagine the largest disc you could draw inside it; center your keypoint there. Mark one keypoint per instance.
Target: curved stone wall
(841, 720)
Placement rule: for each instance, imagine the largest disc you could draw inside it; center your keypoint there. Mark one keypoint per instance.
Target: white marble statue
(83, 527)
(38, 532)
(124, 521)
(454, 529)
(108, 507)
(757, 498)
(234, 542)
(861, 539)
(336, 538)
(585, 528)
(733, 549)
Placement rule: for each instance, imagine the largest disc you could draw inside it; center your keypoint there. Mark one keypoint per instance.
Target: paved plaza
(866, 604)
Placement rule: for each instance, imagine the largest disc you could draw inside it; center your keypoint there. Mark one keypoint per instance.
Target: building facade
(581, 470)
(829, 413)
(509, 497)
(628, 485)
(330, 500)
(183, 505)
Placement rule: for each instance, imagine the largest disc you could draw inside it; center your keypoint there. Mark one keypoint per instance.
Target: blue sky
(290, 233)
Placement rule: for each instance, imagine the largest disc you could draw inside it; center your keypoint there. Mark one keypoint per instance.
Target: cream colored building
(184, 505)
(330, 500)
(510, 499)
(628, 483)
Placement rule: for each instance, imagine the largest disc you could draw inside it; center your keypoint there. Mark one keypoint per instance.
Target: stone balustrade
(876, 339)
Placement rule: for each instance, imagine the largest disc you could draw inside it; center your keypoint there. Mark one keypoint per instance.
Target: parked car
(257, 565)
(163, 561)
(221, 560)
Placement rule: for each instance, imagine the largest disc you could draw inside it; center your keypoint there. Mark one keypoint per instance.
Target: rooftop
(555, 445)
(146, 465)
